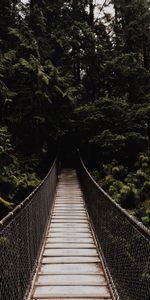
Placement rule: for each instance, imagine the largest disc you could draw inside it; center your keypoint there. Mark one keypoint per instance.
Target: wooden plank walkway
(69, 266)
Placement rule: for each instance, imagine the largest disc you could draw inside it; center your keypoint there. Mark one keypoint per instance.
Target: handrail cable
(11, 214)
(21, 236)
(123, 241)
(145, 230)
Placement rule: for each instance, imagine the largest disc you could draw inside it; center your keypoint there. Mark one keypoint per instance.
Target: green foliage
(129, 196)
(14, 181)
(67, 76)
(145, 191)
(129, 188)
(107, 142)
(7, 204)
(145, 212)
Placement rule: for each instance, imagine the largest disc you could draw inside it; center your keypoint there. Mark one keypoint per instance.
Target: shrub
(129, 196)
(145, 191)
(146, 220)
(119, 172)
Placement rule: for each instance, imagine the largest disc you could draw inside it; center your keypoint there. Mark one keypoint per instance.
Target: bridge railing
(21, 236)
(124, 243)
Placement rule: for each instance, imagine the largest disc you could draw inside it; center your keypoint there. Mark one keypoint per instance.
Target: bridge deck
(69, 266)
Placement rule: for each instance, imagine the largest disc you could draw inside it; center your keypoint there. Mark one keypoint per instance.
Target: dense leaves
(75, 75)
(129, 187)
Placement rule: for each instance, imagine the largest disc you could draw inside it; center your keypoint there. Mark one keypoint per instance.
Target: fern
(7, 204)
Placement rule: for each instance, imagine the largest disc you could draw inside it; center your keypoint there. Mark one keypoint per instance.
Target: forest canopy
(76, 74)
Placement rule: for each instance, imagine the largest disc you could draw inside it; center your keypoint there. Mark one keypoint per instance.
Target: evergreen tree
(132, 19)
(67, 75)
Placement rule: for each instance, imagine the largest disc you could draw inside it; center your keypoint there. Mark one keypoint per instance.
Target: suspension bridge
(70, 240)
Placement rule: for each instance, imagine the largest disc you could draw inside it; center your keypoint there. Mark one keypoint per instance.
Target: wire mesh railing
(21, 236)
(124, 243)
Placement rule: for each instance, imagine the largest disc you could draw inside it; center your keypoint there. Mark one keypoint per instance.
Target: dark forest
(74, 74)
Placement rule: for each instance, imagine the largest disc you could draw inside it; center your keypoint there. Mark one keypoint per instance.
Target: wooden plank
(69, 195)
(71, 279)
(68, 225)
(70, 252)
(71, 214)
(68, 210)
(69, 245)
(69, 202)
(69, 221)
(71, 198)
(71, 211)
(71, 268)
(68, 207)
(64, 298)
(65, 217)
(69, 259)
(72, 291)
(69, 240)
(70, 230)
(72, 206)
(69, 189)
(70, 298)
(79, 233)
